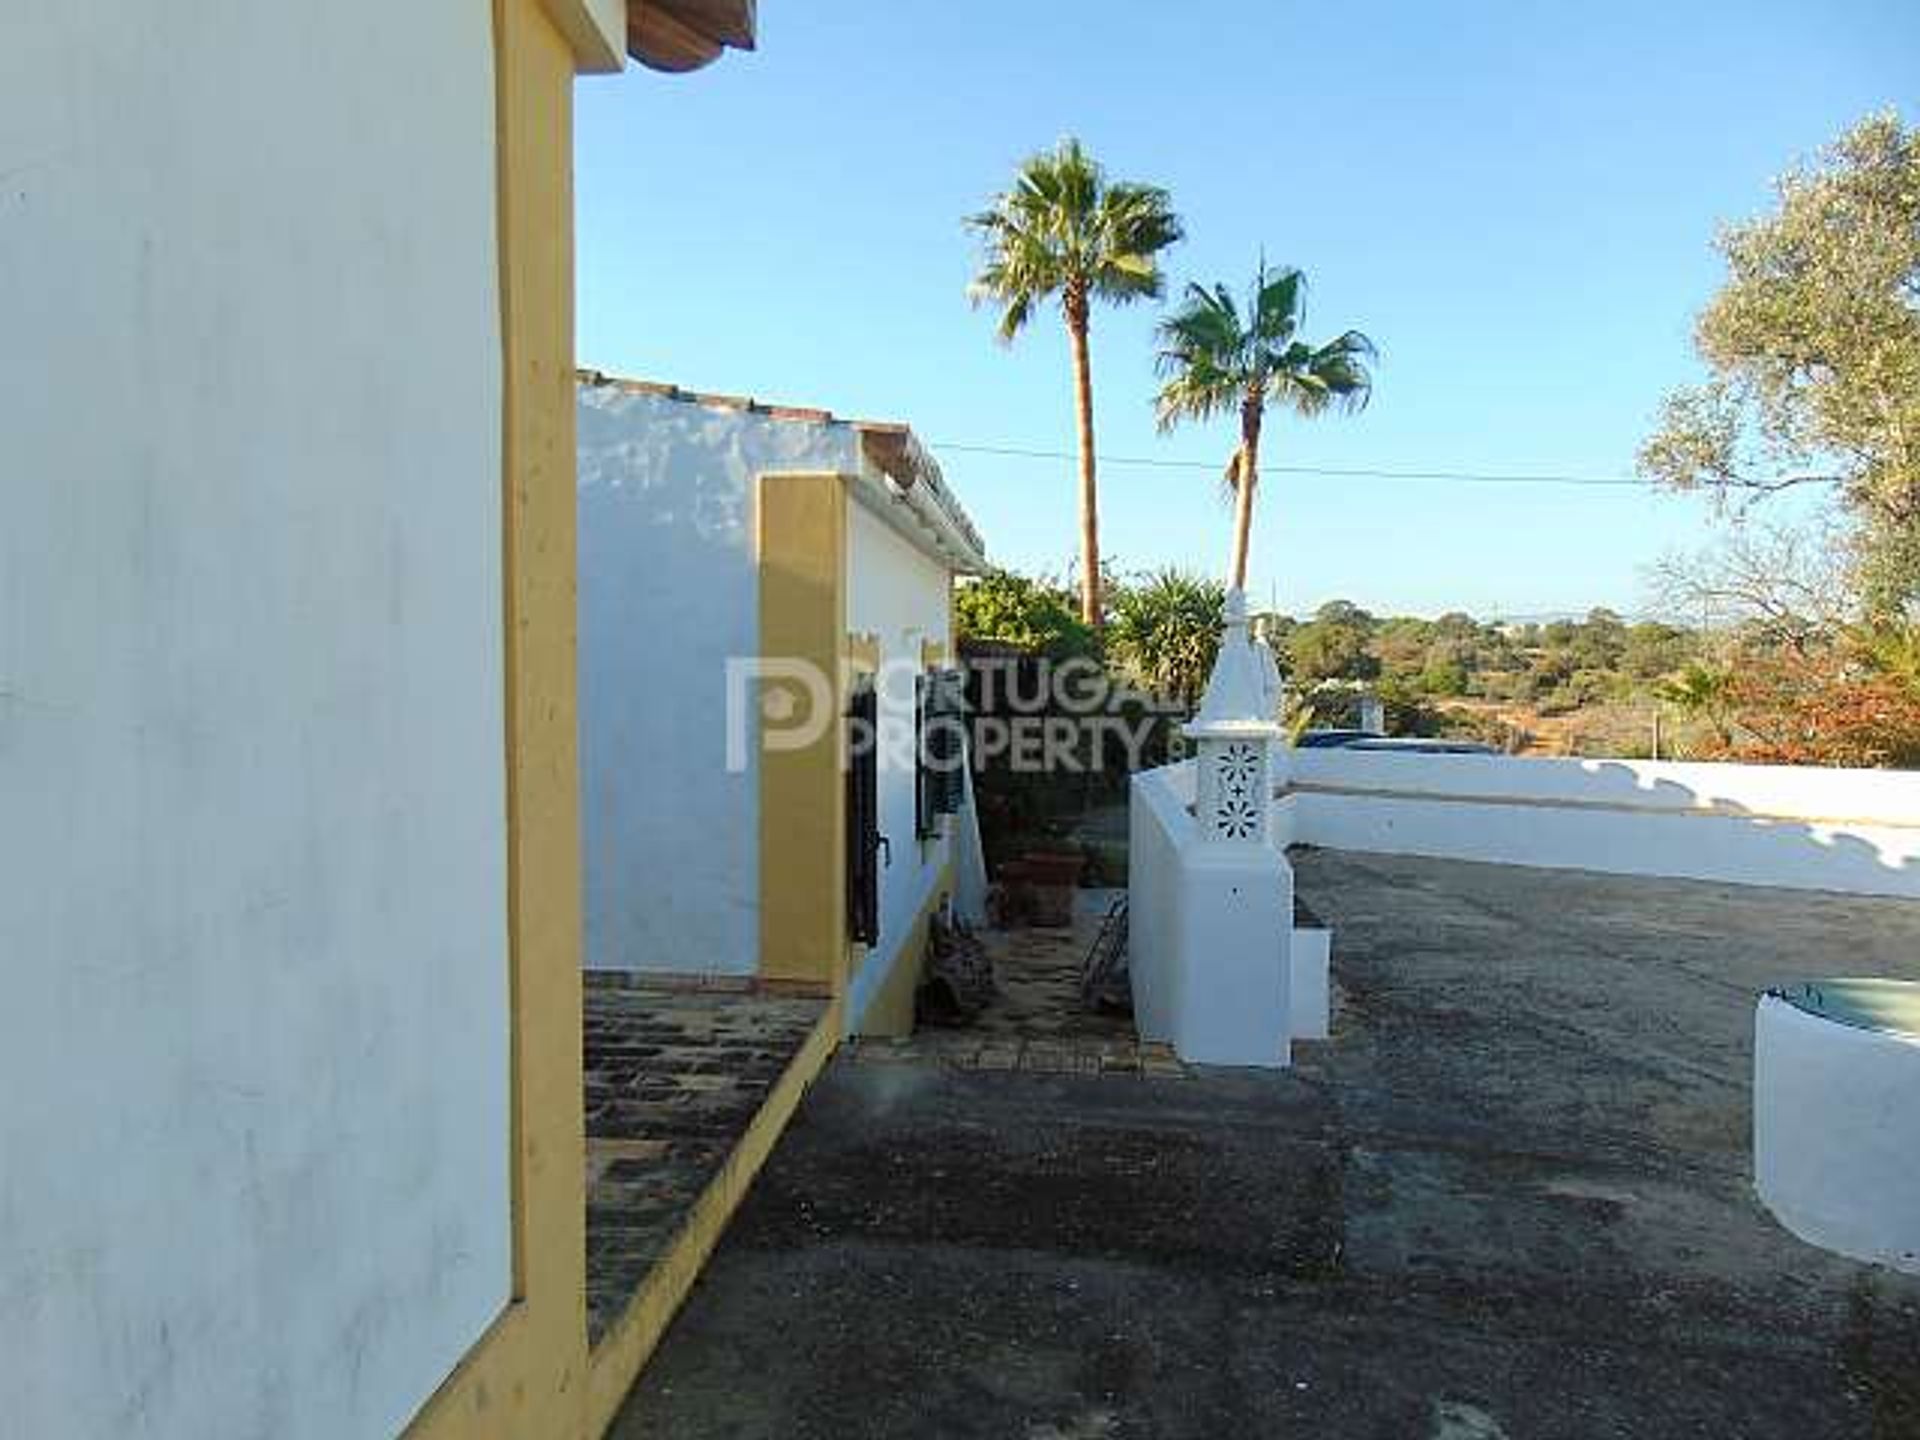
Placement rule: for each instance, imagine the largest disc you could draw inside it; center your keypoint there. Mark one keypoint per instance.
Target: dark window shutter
(923, 806)
(863, 814)
(939, 747)
(949, 747)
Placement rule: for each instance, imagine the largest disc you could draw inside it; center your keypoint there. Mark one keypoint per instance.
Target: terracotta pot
(1054, 867)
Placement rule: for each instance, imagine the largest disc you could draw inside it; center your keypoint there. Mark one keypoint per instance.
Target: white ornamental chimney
(1270, 670)
(1234, 736)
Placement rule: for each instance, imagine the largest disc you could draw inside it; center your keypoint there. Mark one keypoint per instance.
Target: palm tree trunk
(1249, 478)
(1076, 309)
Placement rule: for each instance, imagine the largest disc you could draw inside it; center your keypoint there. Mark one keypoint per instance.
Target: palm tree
(1064, 229)
(1215, 361)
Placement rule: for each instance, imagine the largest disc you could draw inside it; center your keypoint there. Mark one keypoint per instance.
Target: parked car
(1331, 739)
(1420, 745)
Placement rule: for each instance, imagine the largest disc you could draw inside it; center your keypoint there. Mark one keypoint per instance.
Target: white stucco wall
(899, 594)
(1836, 1135)
(1160, 829)
(1855, 831)
(669, 589)
(254, 1034)
(1210, 935)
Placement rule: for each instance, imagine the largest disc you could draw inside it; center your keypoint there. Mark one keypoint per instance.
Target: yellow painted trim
(890, 1012)
(862, 653)
(618, 1359)
(595, 29)
(800, 535)
(526, 1376)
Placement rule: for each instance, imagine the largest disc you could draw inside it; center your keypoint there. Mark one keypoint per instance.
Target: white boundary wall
(254, 1033)
(1852, 831)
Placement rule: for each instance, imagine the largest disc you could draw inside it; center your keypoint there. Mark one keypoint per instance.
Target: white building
(745, 572)
(290, 1075)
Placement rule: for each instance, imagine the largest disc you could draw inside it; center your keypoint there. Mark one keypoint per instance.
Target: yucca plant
(1166, 632)
(1065, 230)
(1216, 360)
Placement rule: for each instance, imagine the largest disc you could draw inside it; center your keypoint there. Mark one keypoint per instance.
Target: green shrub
(1037, 615)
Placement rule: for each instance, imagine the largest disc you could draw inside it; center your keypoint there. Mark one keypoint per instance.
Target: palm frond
(1278, 306)
(1014, 317)
(1202, 356)
(1130, 225)
(1230, 478)
(1062, 227)
(1212, 359)
(1195, 394)
(1342, 365)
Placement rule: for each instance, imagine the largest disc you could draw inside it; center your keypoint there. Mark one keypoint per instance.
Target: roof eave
(915, 479)
(682, 35)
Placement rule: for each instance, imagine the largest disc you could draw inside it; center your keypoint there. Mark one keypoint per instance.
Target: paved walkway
(673, 1079)
(1035, 1021)
(1509, 1198)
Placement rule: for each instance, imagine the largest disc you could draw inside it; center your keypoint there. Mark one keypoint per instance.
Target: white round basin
(1836, 1116)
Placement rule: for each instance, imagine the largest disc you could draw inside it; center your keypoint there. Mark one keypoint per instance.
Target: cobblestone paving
(673, 1078)
(1035, 1021)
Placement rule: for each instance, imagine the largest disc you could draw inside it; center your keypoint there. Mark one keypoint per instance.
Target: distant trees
(1850, 697)
(1653, 649)
(1217, 361)
(1555, 667)
(1787, 584)
(1813, 349)
(1064, 230)
(1337, 644)
(1813, 352)
(1822, 708)
(1443, 676)
(1703, 691)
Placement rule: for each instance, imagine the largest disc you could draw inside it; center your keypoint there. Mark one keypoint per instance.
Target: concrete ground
(1509, 1198)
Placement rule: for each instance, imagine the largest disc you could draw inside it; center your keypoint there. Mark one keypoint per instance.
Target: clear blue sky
(1515, 201)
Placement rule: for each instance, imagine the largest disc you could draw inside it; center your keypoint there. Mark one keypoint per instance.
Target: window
(864, 840)
(940, 747)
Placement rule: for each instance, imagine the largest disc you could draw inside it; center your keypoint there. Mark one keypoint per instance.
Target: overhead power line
(1451, 477)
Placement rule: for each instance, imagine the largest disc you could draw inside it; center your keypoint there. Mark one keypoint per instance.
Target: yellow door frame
(800, 541)
(526, 1375)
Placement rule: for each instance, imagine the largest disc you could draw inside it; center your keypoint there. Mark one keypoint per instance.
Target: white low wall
(1836, 1135)
(1159, 827)
(1209, 934)
(1853, 831)
(1850, 831)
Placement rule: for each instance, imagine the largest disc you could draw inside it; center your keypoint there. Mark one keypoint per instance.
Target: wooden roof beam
(682, 35)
